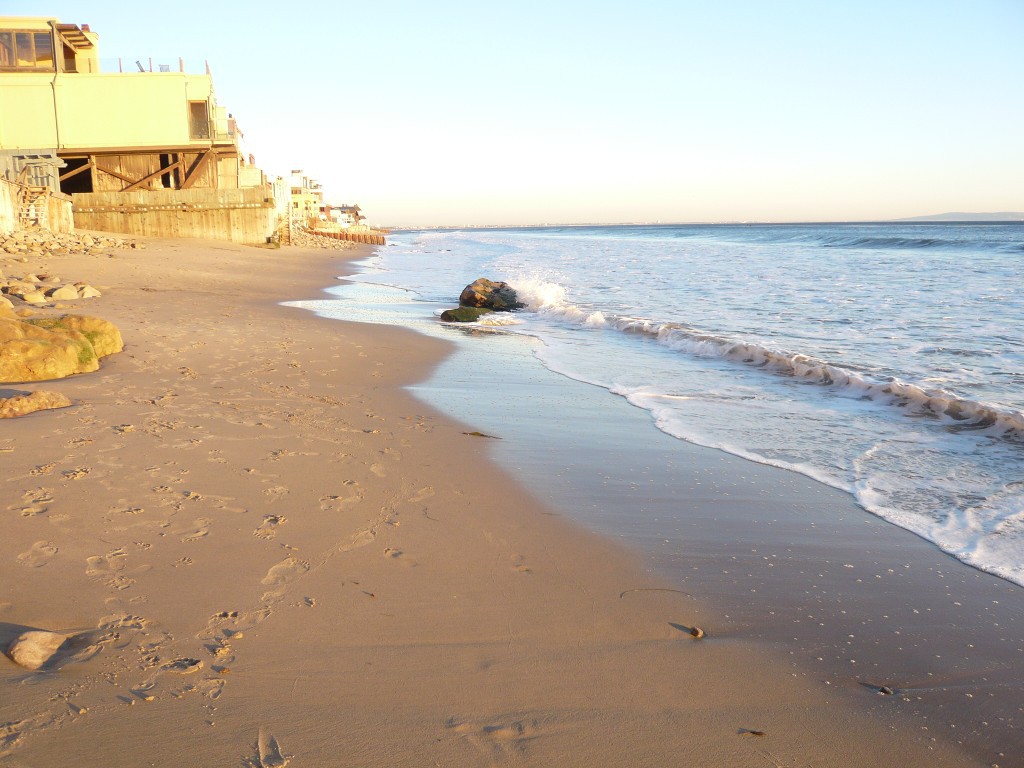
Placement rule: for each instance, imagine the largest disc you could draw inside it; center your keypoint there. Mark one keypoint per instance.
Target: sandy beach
(266, 551)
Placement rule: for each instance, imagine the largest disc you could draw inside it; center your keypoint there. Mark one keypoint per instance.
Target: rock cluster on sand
(304, 239)
(40, 289)
(480, 297)
(33, 649)
(33, 243)
(36, 349)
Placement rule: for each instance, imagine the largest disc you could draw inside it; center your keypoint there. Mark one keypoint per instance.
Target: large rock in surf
(500, 297)
(53, 347)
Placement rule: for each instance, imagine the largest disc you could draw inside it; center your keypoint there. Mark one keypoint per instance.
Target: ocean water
(886, 360)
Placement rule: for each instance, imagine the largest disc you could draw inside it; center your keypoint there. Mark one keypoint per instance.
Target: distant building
(307, 200)
(82, 131)
(345, 216)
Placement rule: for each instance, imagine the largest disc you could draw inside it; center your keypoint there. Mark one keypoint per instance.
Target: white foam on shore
(549, 300)
(778, 366)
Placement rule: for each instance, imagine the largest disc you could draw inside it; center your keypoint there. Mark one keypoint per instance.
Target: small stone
(33, 649)
(697, 632)
(88, 292)
(64, 293)
(32, 297)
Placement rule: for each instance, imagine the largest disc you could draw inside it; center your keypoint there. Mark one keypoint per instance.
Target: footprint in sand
(359, 539)
(284, 572)
(198, 530)
(35, 502)
(268, 751)
(117, 625)
(43, 469)
(519, 564)
(421, 495)
(378, 470)
(109, 567)
(231, 625)
(339, 502)
(104, 565)
(75, 474)
(266, 529)
(212, 689)
(500, 742)
(221, 649)
(275, 493)
(399, 556)
(39, 555)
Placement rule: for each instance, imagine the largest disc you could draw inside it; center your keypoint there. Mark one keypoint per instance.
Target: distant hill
(1001, 216)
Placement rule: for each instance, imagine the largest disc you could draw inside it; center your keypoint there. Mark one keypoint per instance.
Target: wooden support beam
(115, 174)
(144, 179)
(200, 163)
(74, 172)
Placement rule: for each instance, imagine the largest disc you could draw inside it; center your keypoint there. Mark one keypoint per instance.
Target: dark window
(21, 49)
(6, 49)
(43, 44)
(199, 120)
(79, 182)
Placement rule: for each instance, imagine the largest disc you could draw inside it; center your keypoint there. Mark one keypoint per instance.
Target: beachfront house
(345, 216)
(307, 199)
(141, 149)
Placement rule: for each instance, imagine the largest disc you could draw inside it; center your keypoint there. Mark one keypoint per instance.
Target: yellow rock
(54, 347)
(103, 335)
(21, 405)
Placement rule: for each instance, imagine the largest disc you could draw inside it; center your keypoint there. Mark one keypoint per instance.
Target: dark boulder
(464, 314)
(500, 297)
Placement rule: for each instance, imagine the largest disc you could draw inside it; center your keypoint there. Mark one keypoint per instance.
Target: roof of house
(75, 35)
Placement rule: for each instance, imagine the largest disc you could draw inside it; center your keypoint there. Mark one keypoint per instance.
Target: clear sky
(452, 112)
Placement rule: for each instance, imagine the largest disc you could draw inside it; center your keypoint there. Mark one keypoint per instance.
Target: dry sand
(268, 552)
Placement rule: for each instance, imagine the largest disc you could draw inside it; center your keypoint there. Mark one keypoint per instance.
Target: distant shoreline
(936, 219)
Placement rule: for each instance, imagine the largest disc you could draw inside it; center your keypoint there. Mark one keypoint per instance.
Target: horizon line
(928, 219)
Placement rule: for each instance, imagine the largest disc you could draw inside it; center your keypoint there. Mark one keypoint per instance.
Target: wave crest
(549, 300)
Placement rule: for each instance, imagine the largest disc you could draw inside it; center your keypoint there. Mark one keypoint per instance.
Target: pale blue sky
(466, 113)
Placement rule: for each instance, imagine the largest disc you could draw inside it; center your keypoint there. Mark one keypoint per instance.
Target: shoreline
(277, 475)
(847, 598)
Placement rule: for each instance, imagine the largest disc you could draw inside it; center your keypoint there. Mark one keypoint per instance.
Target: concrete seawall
(246, 216)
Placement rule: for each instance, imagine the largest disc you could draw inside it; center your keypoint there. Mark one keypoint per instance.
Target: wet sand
(851, 602)
(249, 486)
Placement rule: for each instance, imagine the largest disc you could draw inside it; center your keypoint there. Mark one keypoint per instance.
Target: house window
(199, 119)
(25, 50)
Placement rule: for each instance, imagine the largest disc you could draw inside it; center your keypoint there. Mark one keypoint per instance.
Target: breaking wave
(958, 413)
